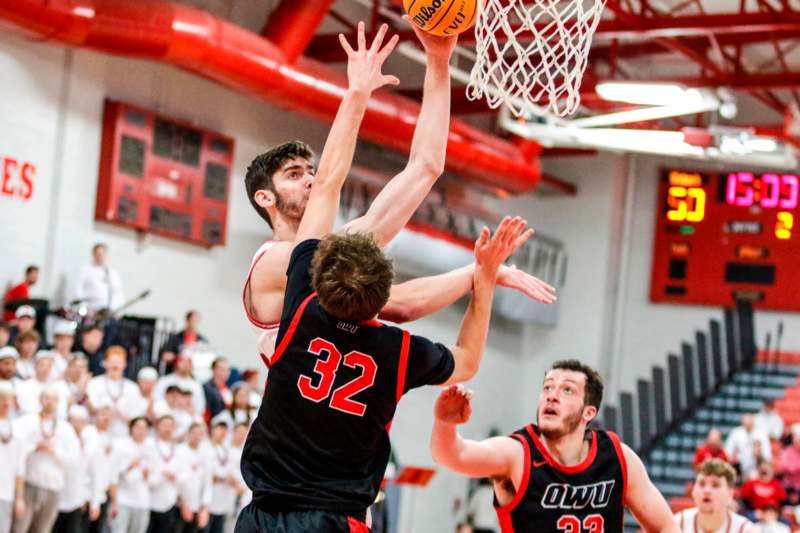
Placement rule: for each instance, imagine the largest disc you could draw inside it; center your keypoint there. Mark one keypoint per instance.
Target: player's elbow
(398, 312)
(428, 168)
(468, 367)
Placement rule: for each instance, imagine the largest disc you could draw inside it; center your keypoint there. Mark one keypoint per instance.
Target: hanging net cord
(532, 55)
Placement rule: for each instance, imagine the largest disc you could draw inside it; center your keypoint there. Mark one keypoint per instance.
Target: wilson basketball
(442, 17)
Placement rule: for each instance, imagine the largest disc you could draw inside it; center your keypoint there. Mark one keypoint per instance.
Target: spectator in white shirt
(769, 521)
(183, 378)
(77, 479)
(50, 444)
(8, 366)
(29, 391)
(740, 443)
(99, 285)
(226, 485)
(115, 389)
(27, 345)
(133, 459)
(237, 445)
(164, 513)
(480, 508)
(768, 421)
(195, 481)
(63, 340)
(146, 380)
(100, 444)
(171, 406)
(241, 411)
(12, 473)
(77, 377)
(255, 382)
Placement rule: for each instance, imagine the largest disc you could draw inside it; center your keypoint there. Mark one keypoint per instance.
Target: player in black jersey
(557, 476)
(317, 451)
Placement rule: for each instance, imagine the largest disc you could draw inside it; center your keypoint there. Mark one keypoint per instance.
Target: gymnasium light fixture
(646, 93)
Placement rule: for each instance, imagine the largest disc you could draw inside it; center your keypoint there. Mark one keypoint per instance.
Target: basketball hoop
(532, 53)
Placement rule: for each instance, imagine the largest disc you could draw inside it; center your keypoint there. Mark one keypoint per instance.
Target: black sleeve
(298, 284)
(429, 363)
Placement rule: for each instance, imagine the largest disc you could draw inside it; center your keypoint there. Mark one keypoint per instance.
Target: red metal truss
(628, 26)
(712, 41)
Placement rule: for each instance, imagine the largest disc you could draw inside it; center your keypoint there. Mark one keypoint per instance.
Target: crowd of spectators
(766, 456)
(86, 449)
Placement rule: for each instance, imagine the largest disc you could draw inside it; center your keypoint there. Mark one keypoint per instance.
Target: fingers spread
(378, 41)
(389, 48)
(347, 48)
(362, 38)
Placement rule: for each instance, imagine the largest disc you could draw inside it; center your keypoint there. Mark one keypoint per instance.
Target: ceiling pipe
(223, 52)
(292, 25)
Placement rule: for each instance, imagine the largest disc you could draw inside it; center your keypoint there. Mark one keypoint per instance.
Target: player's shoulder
(272, 256)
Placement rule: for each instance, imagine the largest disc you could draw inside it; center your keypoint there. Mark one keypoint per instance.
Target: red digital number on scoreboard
(726, 236)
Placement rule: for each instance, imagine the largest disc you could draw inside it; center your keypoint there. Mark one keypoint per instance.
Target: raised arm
(498, 457)
(364, 75)
(490, 253)
(643, 499)
(421, 297)
(394, 205)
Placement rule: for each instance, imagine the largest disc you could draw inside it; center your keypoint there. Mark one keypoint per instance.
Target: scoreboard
(727, 236)
(164, 176)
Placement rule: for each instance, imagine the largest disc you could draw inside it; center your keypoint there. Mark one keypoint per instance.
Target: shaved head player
(557, 475)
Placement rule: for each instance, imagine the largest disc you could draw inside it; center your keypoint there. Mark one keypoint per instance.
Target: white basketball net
(532, 53)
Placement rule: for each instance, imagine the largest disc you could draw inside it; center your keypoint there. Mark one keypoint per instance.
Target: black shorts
(254, 520)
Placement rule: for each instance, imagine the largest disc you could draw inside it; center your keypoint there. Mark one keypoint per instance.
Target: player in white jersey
(278, 184)
(713, 497)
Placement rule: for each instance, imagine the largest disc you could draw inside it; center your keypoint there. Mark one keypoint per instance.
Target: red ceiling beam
(292, 25)
(646, 28)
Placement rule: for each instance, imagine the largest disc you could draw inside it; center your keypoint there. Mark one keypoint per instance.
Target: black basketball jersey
(320, 440)
(585, 498)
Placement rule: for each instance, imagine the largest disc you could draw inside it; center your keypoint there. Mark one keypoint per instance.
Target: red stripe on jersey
(504, 512)
(621, 456)
(290, 332)
(265, 359)
(356, 526)
(575, 469)
(401, 371)
(506, 525)
(256, 322)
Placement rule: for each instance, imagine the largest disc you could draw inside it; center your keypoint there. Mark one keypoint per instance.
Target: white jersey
(687, 520)
(266, 332)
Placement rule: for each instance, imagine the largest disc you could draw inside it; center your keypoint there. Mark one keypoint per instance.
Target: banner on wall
(17, 177)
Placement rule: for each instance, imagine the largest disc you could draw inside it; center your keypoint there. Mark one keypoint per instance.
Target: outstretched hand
(364, 64)
(435, 45)
(492, 250)
(453, 405)
(531, 286)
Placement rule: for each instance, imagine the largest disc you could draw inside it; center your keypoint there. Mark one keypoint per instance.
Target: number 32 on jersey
(326, 368)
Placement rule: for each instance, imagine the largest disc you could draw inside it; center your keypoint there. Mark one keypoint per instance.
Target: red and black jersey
(585, 498)
(320, 441)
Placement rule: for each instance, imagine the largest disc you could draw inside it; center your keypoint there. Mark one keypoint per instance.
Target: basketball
(442, 17)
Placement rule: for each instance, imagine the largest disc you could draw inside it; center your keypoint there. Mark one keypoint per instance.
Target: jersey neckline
(565, 469)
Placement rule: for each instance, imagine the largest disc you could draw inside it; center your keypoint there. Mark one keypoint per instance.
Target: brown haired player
(278, 183)
(316, 454)
(713, 496)
(556, 475)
